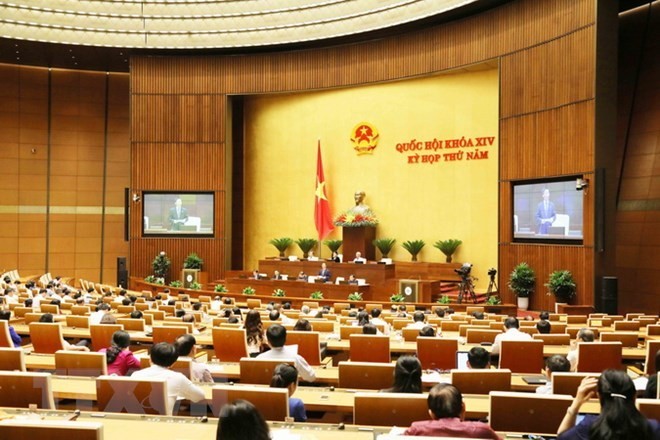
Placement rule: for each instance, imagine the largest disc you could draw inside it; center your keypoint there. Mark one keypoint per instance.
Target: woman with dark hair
(240, 420)
(286, 376)
(119, 358)
(407, 376)
(254, 332)
(362, 318)
(619, 418)
(302, 325)
(652, 385)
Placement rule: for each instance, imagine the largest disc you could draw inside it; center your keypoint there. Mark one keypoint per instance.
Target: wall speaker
(609, 297)
(122, 272)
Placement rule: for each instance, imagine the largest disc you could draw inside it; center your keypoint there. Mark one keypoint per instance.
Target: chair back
(595, 357)
(554, 339)
(12, 359)
(452, 325)
(125, 309)
(80, 310)
(322, 326)
(20, 312)
(401, 323)
(369, 348)
(253, 303)
(568, 383)
(522, 356)
(20, 390)
(366, 375)
(626, 326)
(46, 337)
(101, 335)
(157, 315)
(51, 430)
(650, 408)
(557, 327)
(135, 396)
(653, 330)
(308, 343)
(389, 409)
(576, 319)
(477, 336)
(131, 324)
(627, 339)
(77, 321)
(481, 381)
(527, 412)
(78, 363)
(345, 331)
(5, 337)
(652, 347)
(475, 325)
(50, 308)
(272, 403)
(437, 353)
(32, 317)
(260, 371)
(167, 333)
(230, 344)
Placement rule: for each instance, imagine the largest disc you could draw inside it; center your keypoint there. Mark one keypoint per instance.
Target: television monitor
(180, 214)
(549, 210)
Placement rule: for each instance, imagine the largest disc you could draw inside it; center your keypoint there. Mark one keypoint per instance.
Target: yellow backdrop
(427, 201)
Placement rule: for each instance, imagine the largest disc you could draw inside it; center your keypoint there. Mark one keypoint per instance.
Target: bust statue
(358, 215)
(360, 207)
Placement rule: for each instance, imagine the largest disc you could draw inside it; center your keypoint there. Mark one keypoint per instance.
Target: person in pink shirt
(120, 359)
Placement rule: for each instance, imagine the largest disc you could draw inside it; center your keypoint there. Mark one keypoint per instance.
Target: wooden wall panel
(546, 53)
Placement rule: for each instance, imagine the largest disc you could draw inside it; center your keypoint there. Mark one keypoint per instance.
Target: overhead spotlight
(581, 184)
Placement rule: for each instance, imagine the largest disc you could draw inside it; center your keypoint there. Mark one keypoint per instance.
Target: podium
(188, 276)
(359, 239)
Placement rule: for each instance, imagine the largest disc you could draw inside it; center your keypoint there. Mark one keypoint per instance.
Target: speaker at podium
(409, 289)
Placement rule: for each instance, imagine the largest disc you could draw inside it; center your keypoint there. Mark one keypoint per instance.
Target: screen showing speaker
(182, 214)
(548, 210)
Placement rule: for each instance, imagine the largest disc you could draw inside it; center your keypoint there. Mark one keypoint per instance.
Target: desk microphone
(74, 416)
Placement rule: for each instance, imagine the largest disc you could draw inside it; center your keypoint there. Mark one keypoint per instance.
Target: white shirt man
(359, 259)
(276, 335)
(511, 334)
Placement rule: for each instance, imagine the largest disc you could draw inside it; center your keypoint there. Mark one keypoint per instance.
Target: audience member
(618, 418)
(286, 376)
(544, 316)
(478, 315)
(377, 320)
(101, 310)
(187, 349)
(478, 358)
(512, 333)
(651, 391)
(440, 312)
(544, 327)
(254, 332)
(119, 358)
(554, 364)
(48, 318)
(276, 335)
(108, 319)
(419, 320)
(427, 331)
(369, 329)
(362, 318)
(584, 335)
(302, 325)
(5, 315)
(407, 376)
(240, 420)
(447, 412)
(163, 355)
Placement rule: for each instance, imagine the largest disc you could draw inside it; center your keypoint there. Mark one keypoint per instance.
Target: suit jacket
(183, 215)
(545, 214)
(325, 274)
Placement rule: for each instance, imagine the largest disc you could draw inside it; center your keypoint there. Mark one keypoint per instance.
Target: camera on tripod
(464, 270)
(492, 272)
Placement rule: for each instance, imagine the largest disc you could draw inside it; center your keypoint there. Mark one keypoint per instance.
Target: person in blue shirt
(286, 376)
(15, 338)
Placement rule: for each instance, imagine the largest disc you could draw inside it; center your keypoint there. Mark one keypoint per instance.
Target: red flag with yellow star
(322, 217)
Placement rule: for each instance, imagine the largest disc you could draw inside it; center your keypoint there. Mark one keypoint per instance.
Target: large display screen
(183, 214)
(549, 210)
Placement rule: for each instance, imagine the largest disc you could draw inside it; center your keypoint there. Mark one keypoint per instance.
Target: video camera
(464, 270)
(492, 272)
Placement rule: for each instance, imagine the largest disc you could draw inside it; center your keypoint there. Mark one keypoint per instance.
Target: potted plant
(193, 261)
(333, 245)
(562, 285)
(176, 283)
(355, 296)
(444, 299)
(281, 244)
(316, 295)
(414, 247)
(306, 245)
(494, 300)
(448, 247)
(279, 293)
(384, 245)
(522, 281)
(161, 265)
(397, 298)
(195, 286)
(219, 288)
(249, 290)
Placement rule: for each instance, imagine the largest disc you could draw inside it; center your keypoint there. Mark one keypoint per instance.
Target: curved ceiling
(206, 24)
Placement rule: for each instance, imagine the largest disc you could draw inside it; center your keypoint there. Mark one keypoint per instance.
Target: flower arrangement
(155, 280)
(494, 300)
(397, 298)
(316, 295)
(219, 288)
(279, 292)
(193, 261)
(249, 290)
(176, 283)
(444, 299)
(353, 220)
(195, 286)
(355, 296)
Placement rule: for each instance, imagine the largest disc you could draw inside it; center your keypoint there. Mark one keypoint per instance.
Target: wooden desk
(372, 272)
(299, 289)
